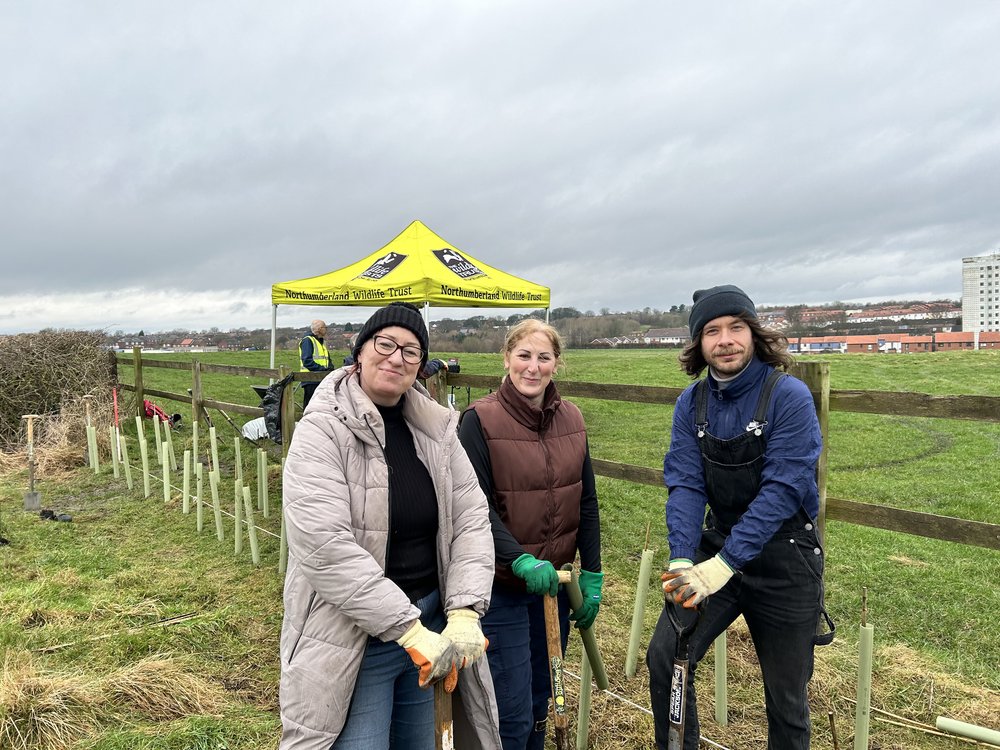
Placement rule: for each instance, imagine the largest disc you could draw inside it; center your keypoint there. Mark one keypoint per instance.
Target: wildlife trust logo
(382, 267)
(455, 262)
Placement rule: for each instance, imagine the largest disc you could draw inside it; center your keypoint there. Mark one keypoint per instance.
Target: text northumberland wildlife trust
(403, 292)
(505, 296)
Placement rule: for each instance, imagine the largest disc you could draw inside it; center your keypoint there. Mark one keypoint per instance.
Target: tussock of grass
(52, 711)
(161, 689)
(44, 712)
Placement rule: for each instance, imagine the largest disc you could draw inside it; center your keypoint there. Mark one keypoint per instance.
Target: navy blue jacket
(789, 472)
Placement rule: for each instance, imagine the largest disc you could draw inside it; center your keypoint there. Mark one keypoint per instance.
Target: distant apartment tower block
(981, 293)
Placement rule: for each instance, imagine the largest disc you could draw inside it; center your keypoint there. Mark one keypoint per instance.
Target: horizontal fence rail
(929, 525)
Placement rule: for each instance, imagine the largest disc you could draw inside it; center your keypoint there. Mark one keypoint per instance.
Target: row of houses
(890, 343)
(895, 343)
(652, 337)
(825, 316)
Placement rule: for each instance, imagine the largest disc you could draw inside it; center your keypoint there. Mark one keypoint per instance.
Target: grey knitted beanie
(401, 314)
(713, 303)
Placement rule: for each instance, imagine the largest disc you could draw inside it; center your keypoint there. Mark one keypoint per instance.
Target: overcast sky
(163, 163)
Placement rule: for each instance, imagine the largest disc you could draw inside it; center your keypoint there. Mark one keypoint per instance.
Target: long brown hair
(770, 346)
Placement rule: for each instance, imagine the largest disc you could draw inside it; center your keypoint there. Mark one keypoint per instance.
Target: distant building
(981, 293)
(666, 336)
(893, 343)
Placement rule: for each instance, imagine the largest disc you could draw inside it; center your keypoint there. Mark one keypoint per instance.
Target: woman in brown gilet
(529, 449)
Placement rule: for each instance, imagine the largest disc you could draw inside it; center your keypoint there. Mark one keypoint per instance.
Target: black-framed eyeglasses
(385, 346)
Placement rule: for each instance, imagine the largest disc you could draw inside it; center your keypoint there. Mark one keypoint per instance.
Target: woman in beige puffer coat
(374, 519)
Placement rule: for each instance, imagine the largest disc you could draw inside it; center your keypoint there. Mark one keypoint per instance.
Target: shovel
(682, 665)
(554, 645)
(32, 499)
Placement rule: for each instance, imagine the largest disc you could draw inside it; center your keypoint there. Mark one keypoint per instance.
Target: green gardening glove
(590, 587)
(539, 576)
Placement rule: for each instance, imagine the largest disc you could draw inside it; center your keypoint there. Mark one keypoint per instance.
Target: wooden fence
(815, 374)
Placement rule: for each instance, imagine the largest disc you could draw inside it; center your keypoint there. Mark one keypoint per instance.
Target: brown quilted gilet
(537, 458)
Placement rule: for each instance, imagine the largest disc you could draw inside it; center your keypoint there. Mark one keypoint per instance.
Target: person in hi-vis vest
(313, 357)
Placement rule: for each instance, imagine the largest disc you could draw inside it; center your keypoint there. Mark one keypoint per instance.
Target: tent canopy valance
(417, 266)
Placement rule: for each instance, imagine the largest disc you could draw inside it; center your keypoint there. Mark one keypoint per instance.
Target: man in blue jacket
(744, 445)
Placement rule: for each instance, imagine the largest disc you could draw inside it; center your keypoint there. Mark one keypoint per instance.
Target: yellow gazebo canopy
(417, 266)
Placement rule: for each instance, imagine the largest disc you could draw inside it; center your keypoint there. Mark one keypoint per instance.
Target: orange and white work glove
(692, 584)
(464, 631)
(434, 655)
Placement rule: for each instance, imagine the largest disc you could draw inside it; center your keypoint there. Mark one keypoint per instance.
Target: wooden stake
(32, 499)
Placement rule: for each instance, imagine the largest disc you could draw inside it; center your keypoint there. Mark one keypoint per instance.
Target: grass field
(124, 563)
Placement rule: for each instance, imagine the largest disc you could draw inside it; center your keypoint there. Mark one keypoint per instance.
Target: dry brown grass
(52, 711)
(44, 712)
(161, 688)
(60, 439)
(903, 683)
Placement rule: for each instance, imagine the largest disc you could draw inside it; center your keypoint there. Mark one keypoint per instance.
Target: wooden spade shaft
(553, 642)
(444, 732)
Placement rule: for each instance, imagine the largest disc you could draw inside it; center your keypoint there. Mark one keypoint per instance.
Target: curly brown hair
(770, 346)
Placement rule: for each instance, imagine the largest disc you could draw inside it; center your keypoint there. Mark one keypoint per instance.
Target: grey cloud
(623, 154)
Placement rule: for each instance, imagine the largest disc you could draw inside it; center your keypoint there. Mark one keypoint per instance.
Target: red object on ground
(152, 409)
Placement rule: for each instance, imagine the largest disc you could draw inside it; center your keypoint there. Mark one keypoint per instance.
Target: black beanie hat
(401, 314)
(713, 303)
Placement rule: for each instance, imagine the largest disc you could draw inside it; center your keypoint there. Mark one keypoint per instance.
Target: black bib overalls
(779, 593)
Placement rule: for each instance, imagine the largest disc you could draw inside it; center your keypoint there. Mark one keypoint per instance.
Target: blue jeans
(519, 663)
(389, 709)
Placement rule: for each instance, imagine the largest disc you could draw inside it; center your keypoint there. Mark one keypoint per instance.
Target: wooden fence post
(437, 386)
(816, 375)
(140, 410)
(287, 411)
(197, 407)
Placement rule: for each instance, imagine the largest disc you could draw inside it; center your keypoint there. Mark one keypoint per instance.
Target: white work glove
(434, 655)
(464, 631)
(693, 584)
